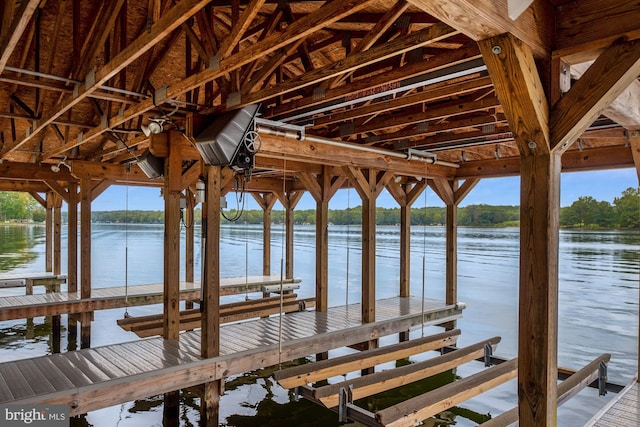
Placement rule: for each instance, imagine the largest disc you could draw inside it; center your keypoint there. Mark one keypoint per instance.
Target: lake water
(598, 307)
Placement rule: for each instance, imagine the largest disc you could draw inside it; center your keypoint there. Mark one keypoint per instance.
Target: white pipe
(430, 158)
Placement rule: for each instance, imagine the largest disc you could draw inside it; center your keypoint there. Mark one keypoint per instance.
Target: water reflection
(18, 245)
(598, 306)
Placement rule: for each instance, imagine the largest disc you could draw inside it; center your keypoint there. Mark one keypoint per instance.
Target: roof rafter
(167, 23)
(299, 29)
(20, 21)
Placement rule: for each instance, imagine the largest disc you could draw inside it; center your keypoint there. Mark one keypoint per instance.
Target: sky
(601, 185)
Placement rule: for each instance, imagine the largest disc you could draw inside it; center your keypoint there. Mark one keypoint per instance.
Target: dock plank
(140, 369)
(623, 411)
(52, 373)
(18, 384)
(57, 303)
(38, 382)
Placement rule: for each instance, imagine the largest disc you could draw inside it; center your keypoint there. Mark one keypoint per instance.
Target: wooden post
(514, 73)
(634, 140)
(210, 329)
(405, 195)
(189, 237)
(72, 261)
(172, 183)
(369, 187)
(48, 257)
(171, 296)
(57, 267)
(85, 258)
(72, 238)
(189, 241)
(322, 188)
(289, 201)
(57, 236)
(266, 202)
(289, 224)
(538, 307)
(451, 195)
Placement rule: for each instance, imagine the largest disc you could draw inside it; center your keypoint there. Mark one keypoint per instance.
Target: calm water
(598, 307)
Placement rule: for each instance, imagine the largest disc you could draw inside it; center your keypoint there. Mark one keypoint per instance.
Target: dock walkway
(29, 280)
(91, 379)
(622, 411)
(57, 303)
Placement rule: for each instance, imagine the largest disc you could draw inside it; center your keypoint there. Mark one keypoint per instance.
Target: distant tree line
(20, 207)
(586, 212)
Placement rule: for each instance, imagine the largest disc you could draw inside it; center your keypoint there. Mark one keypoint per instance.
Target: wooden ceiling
(79, 79)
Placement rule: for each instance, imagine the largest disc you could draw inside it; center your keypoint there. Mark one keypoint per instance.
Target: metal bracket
(488, 352)
(296, 394)
(345, 398)
(602, 379)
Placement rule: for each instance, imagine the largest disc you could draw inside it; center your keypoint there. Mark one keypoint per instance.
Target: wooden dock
(57, 303)
(29, 280)
(622, 411)
(91, 379)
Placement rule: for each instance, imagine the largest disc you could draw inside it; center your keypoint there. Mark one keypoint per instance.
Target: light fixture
(56, 168)
(154, 126)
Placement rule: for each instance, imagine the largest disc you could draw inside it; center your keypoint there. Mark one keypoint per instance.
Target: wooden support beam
(311, 373)
(519, 88)
(289, 200)
(380, 382)
(483, 19)
(612, 73)
(430, 35)
(171, 297)
(518, 85)
(72, 238)
(239, 28)
(57, 235)
(415, 410)
(38, 198)
(210, 302)
(48, 226)
(301, 28)
(368, 185)
(85, 258)
(167, 23)
(266, 202)
(31, 171)
(405, 195)
(322, 188)
(584, 28)
(14, 32)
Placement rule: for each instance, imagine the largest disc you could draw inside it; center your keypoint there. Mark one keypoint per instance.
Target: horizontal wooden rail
(147, 326)
(305, 374)
(383, 381)
(433, 402)
(566, 390)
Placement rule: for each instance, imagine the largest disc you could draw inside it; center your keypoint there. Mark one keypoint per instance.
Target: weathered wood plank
(379, 382)
(423, 406)
(306, 374)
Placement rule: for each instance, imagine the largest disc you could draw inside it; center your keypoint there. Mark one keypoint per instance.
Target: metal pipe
(429, 158)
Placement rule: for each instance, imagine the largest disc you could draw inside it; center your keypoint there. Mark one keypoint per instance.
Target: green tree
(627, 208)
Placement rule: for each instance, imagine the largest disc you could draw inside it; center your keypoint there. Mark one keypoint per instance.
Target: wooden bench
(147, 326)
(28, 280)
